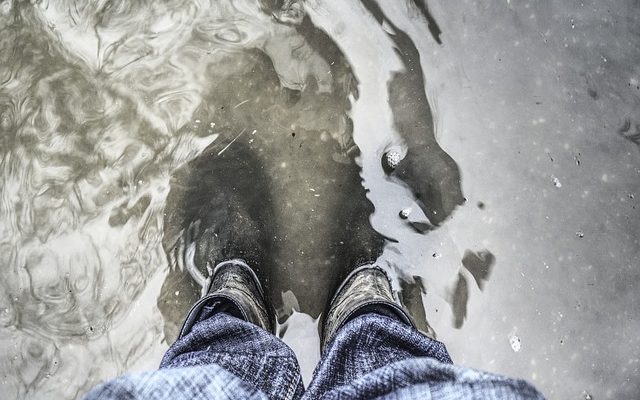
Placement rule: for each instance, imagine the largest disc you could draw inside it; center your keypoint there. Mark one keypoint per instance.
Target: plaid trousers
(372, 356)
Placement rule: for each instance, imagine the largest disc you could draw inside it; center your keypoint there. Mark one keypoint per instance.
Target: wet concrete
(131, 131)
(533, 121)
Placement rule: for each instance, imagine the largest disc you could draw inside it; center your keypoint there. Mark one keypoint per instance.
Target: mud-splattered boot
(234, 288)
(366, 289)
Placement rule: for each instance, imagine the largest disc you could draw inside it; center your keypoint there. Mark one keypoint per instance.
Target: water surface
(130, 128)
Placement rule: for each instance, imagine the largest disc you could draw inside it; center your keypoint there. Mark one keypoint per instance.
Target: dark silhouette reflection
(427, 169)
(281, 183)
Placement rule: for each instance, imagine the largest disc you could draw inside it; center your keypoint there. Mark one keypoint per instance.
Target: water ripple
(102, 103)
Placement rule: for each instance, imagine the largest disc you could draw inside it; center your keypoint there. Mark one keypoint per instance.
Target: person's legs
(231, 327)
(367, 343)
(372, 350)
(222, 357)
(226, 349)
(247, 351)
(225, 219)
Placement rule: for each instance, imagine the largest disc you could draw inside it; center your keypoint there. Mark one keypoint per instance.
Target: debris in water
(234, 139)
(577, 159)
(241, 103)
(404, 214)
(628, 133)
(516, 345)
(579, 234)
(587, 395)
(391, 160)
(556, 182)
(436, 255)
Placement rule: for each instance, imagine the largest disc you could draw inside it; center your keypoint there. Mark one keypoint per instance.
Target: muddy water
(133, 130)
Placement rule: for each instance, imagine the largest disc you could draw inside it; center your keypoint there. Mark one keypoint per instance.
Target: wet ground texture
(485, 154)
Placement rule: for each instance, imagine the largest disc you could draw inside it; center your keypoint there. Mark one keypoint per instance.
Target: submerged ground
(128, 128)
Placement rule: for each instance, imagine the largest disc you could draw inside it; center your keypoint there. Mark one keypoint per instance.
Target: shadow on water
(427, 169)
(286, 161)
(285, 158)
(431, 174)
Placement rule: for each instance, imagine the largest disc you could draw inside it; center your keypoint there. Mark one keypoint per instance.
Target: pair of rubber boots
(236, 287)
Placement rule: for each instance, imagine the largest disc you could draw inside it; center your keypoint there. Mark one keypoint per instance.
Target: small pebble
(404, 214)
(391, 160)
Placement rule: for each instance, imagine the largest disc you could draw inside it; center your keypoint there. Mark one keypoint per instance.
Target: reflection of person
(370, 349)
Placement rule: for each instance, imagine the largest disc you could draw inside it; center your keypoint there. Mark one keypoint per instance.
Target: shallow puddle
(487, 155)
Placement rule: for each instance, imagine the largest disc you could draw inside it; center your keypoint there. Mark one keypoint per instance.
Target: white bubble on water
(515, 343)
(404, 214)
